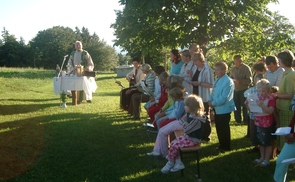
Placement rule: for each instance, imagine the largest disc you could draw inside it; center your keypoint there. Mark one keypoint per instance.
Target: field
(40, 141)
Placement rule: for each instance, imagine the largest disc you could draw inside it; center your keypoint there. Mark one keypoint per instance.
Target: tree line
(49, 47)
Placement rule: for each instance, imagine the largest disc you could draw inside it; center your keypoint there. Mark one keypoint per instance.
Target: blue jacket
(222, 95)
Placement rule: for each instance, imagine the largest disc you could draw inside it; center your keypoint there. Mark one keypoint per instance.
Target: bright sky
(24, 18)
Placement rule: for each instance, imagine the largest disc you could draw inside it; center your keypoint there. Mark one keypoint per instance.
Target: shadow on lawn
(24, 108)
(108, 146)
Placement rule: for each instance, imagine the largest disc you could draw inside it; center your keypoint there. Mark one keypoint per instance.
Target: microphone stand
(63, 93)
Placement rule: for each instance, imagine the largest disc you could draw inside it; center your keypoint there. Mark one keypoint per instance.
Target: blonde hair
(146, 67)
(263, 84)
(186, 53)
(194, 104)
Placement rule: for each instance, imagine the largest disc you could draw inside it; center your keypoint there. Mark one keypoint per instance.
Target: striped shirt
(274, 77)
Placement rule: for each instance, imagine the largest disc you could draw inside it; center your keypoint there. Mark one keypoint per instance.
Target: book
(142, 88)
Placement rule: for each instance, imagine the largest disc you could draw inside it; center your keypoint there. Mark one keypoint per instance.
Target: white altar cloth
(64, 83)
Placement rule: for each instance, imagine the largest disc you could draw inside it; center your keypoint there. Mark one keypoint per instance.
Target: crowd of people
(185, 97)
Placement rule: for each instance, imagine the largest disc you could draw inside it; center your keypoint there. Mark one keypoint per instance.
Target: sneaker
(167, 167)
(148, 125)
(153, 153)
(258, 161)
(264, 163)
(177, 167)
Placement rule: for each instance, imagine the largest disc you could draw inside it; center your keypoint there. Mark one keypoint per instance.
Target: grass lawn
(40, 141)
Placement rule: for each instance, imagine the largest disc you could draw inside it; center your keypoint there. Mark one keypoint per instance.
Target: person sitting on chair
(134, 77)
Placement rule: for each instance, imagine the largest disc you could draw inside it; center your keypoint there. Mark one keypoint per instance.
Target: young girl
(192, 125)
(161, 144)
(263, 122)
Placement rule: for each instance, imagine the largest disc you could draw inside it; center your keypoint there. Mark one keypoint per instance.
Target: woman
(202, 82)
(133, 77)
(137, 98)
(285, 93)
(176, 63)
(221, 99)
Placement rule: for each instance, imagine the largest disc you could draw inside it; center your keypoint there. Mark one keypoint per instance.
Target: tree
(150, 25)
(51, 45)
(12, 52)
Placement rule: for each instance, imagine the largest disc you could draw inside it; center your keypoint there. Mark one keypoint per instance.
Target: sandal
(264, 163)
(258, 161)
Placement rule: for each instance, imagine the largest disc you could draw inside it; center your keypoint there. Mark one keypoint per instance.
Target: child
(275, 125)
(192, 125)
(176, 110)
(263, 122)
(161, 144)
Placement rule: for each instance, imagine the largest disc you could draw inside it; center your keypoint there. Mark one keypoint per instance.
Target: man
(83, 58)
(134, 77)
(242, 77)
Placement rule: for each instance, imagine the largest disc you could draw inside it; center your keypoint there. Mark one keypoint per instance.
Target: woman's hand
(289, 138)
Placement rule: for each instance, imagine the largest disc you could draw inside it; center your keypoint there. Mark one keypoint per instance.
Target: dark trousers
(223, 130)
(207, 126)
(239, 100)
(125, 98)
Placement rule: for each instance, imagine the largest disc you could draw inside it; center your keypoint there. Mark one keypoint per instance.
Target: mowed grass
(40, 141)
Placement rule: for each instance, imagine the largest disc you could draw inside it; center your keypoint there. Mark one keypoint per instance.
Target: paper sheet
(252, 103)
(282, 131)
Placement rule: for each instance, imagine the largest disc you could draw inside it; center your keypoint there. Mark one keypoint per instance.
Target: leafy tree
(51, 45)
(149, 26)
(12, 52)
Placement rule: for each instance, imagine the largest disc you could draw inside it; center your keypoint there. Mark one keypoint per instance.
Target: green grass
(40, 141)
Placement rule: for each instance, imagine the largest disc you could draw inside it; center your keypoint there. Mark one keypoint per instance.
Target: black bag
(90, 73)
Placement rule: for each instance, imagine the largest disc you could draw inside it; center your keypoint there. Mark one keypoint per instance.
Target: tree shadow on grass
(23, 108)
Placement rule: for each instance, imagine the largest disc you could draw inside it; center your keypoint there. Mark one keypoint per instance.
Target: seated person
(192, 126)
(138, 97)
(134, 77)
(159, 103)
(157, 94)
(177, 109)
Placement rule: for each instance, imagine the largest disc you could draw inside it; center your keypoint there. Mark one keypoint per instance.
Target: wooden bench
(194, 149)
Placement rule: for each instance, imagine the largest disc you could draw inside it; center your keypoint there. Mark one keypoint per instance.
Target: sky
(25, 18)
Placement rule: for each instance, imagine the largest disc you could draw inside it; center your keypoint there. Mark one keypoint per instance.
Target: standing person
(221, 99)
(263, 122)
(134, 77)
(242, 77)
(287, 152)
(202, 83)
(83, 58)
(286, 92)
(274, 72)
(175, 63)
(137, 98)
(192, 125)
(186, 71)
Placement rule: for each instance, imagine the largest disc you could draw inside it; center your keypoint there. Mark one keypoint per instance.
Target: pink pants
(175, 146)
(161, 144)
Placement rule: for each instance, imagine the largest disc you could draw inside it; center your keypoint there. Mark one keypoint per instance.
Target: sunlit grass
(40, 141)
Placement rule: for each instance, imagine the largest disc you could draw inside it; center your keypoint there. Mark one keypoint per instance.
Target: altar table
(64, 83)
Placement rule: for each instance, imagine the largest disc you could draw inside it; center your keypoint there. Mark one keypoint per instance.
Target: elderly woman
(137, 98)
(221, 99)
(202, 81)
